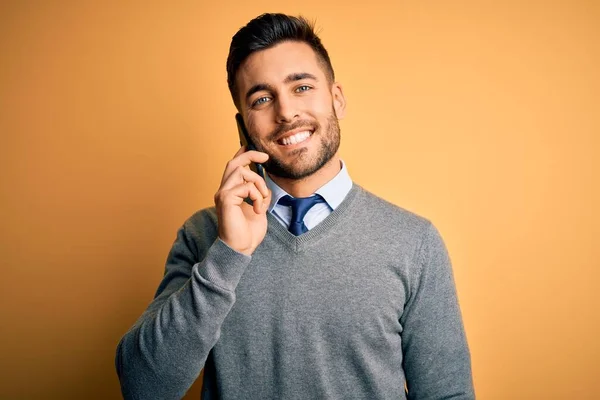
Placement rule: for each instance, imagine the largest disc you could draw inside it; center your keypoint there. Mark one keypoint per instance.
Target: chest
(325, 293)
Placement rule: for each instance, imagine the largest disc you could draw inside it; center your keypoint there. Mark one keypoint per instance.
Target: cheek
(259, 125)
(320, 106)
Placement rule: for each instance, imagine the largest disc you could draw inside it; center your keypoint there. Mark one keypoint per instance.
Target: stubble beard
(330, 143)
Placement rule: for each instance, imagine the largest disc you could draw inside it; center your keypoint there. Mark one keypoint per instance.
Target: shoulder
(205, 218)
(401, 230)
(200, 230)
(394, 226)
(385, 213)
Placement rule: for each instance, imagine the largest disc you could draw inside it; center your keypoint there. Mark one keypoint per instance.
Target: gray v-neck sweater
(353, 309)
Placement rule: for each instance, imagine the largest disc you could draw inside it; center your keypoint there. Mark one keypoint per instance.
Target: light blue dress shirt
(334, 192)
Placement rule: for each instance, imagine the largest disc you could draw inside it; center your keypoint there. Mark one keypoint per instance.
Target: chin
(295, 170)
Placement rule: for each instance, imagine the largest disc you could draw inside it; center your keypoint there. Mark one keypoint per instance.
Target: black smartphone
(245, 141)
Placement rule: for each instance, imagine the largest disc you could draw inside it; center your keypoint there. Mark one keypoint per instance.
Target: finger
(257, 201)
(230, 164)
(244, 160)
(237, 194)
(242, 174)
(254, 156)
(256, 197)
(267, 200)
(248, 189)
(259, 181)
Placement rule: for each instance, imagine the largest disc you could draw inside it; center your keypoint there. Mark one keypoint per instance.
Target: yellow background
(116, 123)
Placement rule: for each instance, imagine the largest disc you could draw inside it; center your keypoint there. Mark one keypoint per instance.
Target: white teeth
(297, 138)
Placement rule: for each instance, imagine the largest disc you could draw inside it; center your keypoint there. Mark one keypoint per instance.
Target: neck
(307, 186)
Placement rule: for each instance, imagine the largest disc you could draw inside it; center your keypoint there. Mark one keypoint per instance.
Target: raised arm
(163, 353)
(161, 356)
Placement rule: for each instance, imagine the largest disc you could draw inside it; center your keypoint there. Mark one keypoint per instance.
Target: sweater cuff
(223, 266)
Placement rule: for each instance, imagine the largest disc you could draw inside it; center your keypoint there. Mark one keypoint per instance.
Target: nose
(286, 110)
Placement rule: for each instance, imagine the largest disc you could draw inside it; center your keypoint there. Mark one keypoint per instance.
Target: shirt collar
(334, 191)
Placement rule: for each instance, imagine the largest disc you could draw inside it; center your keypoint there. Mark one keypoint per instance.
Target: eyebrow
(289, 79)
(299, 76)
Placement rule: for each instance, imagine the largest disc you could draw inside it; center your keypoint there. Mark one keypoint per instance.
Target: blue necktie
(300, 207)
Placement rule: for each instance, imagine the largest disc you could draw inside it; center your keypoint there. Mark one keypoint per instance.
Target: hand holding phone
(241, 225)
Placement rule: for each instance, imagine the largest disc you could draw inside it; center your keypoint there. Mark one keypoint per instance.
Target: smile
(295, 138)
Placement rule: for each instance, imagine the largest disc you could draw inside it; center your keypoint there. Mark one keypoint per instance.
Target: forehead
(273, 65)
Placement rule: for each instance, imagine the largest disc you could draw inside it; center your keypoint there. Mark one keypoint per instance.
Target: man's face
(290, 108)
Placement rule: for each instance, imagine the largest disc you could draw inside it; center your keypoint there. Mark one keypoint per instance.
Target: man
(314, 289)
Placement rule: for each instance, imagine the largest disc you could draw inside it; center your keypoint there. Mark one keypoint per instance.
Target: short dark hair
(266, 31)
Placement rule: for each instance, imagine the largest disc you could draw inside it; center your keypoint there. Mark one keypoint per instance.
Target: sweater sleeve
(162, 355)
(436, 361)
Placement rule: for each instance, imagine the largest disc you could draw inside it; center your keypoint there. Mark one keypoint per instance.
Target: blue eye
(260, 101)
(303, 88)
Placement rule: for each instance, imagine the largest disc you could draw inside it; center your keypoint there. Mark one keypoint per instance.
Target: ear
(339, 101)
